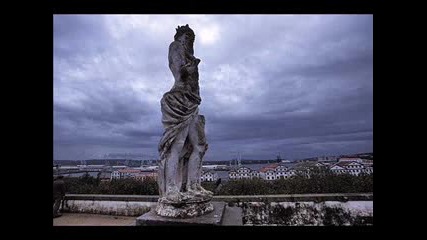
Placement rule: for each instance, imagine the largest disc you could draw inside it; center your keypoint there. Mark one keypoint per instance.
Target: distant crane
(239, 159)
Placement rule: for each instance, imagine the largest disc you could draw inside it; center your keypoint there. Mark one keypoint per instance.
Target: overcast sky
(294, 85)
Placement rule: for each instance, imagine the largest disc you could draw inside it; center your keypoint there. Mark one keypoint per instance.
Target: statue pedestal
(187, 210)
(214, 217)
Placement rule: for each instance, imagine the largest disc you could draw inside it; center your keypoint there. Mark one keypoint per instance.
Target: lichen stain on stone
(306, 214)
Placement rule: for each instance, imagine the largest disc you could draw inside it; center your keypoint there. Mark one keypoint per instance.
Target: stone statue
(183, 143)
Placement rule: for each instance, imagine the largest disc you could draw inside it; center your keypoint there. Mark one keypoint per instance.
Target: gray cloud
(298, 85)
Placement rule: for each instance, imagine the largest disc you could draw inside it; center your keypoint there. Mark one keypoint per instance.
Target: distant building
(254, 174)
(367, 162)
(241, 173)
(276, 171)
(268, 172)
(115, 175)
(141, 176)
(369, 169)
(281, 171)
(125, 173)
(150, 168)
(322, 164)
(345, 165)
(353, 168)
(337, 169)
(208, 176)
(290, 173)
(232, 174)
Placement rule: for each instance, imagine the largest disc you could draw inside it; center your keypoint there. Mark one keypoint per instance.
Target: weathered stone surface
(120, 208)
(307, 213)
(213, 218)
(183, 143)
(185, 210)
(233, 216)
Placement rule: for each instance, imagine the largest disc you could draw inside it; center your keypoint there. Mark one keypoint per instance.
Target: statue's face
(187, 38)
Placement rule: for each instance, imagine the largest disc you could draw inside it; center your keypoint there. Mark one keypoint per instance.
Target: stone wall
(292, 210)
(119, 208)
(307, 213)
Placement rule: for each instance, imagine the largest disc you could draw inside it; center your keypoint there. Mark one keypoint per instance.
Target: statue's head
(185, 31)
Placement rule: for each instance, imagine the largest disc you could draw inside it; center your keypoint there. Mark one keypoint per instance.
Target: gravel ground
(81, 219)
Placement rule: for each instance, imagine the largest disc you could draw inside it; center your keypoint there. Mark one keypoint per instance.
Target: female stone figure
(183, 144)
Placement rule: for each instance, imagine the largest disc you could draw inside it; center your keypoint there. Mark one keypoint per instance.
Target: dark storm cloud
(74, 35)
(293, 126)
(299, 86)
(343, 67)
(106, 107)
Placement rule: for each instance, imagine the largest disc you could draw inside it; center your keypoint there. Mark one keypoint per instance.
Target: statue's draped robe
(179, 107)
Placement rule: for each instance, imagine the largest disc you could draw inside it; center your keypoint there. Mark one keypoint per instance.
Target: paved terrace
(84, 219)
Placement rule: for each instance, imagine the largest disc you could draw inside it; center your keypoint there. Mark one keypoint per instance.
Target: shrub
(319, 182)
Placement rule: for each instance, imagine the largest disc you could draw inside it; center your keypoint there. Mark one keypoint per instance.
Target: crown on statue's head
(180, 30)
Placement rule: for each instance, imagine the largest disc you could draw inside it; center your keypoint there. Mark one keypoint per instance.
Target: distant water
(256, 167)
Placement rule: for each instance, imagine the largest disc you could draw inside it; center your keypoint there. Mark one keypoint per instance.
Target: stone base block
(211, 217)
(184, 210)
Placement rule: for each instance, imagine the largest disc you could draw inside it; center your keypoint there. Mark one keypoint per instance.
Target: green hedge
(90, 185)
(319, 182)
